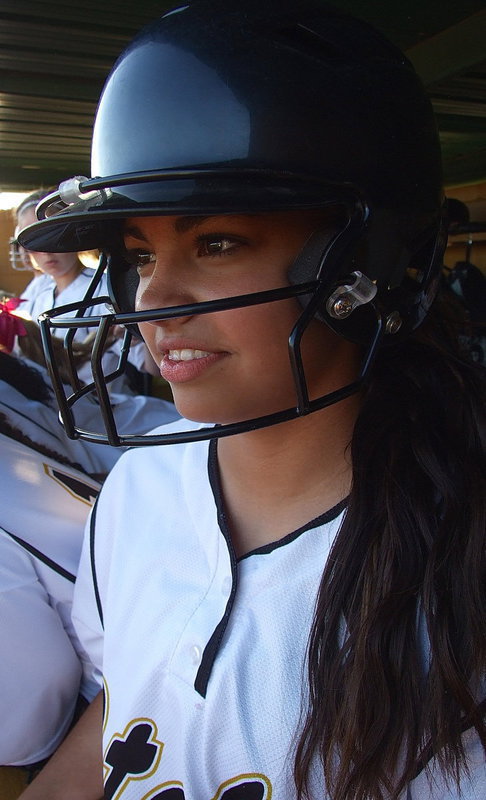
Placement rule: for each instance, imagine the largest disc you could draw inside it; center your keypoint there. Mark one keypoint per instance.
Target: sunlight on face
(230, 365)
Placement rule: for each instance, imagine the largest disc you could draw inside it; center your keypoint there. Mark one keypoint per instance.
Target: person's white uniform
(40, 422)
(46, 298)
(39, 283)
(196, 641)
(204, 654)
(43, 509)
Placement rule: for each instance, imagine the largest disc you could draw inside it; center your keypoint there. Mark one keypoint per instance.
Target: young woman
(294, 608)
(21, 259)
(60, 277)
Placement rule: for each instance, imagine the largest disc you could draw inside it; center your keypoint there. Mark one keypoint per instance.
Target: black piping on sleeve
(92, 533)
(49, 562)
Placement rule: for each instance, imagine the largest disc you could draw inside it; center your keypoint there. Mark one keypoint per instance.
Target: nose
(167, 286)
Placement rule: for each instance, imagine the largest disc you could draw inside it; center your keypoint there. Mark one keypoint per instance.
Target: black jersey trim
(92, 535)
(212, 647)
(49, 562)
(322, 519)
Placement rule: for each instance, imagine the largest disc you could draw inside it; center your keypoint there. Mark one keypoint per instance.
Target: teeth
(186, 355)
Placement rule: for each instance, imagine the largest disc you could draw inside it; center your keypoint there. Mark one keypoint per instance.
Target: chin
(223, 409)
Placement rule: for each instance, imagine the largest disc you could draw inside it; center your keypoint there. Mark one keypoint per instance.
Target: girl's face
(57, 265)
(232, 365)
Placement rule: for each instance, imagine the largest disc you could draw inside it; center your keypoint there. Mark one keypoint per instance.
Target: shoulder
(36, 285)
(80, 283)
(78, 288)
(170, 458)
(37, 294)
(86, 276)
(31, 470)
(16, 568)
(156, 476)
(44, 503)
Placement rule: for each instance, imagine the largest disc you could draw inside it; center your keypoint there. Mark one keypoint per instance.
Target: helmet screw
(342, 307)
(393, 323)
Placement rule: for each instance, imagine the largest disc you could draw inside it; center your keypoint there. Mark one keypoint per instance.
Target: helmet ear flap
(122, 286)
(307, 266)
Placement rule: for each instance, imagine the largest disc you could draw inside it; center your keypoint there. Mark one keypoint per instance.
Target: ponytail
(397, 649)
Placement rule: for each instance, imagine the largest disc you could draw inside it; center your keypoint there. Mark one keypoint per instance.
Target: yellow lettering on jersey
(106, 704)
(250, 778)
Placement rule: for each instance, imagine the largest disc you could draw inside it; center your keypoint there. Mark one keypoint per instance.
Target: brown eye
(139, 258)
(216, 245)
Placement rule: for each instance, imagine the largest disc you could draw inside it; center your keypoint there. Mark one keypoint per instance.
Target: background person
(21, 258)
(64, 279)
(44, 504)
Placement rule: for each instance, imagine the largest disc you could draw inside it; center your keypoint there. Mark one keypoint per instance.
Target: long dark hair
(25, 379)
(13, 432)
(398, 645)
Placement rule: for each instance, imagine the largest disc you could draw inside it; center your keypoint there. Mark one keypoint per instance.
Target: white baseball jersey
(46, 299)
(203, 654)
(40, 422)
(39, 283)
(43, 510)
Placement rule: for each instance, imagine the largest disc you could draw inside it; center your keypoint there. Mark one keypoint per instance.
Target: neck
(277, 479)
(65, 280)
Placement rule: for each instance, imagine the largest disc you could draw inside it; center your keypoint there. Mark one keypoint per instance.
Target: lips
(183, 364)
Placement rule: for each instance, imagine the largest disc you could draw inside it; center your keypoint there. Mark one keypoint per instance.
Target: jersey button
(196, 654)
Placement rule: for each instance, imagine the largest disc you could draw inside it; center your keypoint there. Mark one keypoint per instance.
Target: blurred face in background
(57, 265)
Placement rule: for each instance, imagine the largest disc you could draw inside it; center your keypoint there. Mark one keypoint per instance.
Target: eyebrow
(184, 224)
(181, 225)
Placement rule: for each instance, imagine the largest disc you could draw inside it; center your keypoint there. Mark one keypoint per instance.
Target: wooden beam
(450, 51)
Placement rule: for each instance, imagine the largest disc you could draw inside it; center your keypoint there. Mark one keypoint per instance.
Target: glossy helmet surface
(224, 106)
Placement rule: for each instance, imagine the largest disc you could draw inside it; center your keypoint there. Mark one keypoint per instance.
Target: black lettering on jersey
(172, 793)
(132, 756)
(75, 485)
(245, 787)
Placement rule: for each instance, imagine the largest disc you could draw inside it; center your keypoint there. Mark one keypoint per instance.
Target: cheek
(147, 332)
(261, 335)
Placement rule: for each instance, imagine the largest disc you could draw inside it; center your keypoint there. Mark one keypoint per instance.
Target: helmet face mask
(186, 126)
(18, 257)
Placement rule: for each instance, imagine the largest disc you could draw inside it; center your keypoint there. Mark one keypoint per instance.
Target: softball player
(289, 602)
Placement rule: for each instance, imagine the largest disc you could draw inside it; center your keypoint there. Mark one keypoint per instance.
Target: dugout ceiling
(54, 57)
